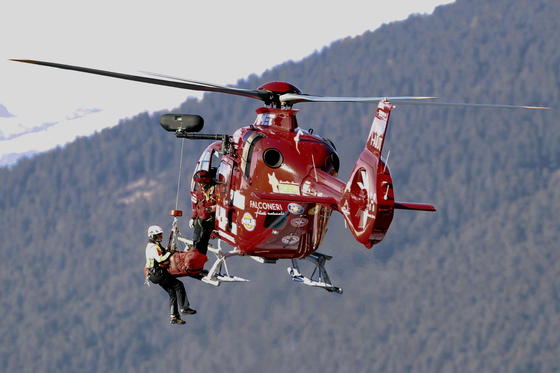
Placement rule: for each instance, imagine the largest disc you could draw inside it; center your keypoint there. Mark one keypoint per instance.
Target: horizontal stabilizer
(414, 206)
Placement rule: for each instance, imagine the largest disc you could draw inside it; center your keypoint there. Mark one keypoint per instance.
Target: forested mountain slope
(473, 287)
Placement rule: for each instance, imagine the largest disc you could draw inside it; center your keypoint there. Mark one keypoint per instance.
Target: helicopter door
(224, 212)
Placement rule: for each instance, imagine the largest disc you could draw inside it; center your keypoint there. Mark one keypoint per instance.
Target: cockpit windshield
(204, 161)
(209, 161)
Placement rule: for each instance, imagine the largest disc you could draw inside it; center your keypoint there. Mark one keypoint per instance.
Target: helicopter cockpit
(209, 161)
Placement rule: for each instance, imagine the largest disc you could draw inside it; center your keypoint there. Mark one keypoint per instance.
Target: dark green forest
(474, 287)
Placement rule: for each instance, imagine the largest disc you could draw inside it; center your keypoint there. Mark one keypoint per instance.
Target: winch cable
(179, 176)
(175, 227)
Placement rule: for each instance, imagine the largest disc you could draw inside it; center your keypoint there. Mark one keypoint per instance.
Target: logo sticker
(295, 208)
(248, 222)
(314, 210)
(264, 119)
(290, 239)
(299, 222)
(265, 205)
(281, 186)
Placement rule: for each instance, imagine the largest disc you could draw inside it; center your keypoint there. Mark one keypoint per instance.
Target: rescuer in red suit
(157, 261)
(204, 210)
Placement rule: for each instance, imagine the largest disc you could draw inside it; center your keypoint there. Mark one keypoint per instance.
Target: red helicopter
(277, 184)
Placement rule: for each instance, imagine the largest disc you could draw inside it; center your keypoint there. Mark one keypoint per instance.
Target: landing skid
(319, 278)
(215, 275)
(219, 272)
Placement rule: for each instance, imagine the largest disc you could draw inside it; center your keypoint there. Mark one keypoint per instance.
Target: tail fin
(367, 214)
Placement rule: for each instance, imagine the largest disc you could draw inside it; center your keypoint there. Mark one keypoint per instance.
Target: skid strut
(319, 278)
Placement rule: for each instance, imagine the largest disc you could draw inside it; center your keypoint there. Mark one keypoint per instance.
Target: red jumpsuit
(203, 213)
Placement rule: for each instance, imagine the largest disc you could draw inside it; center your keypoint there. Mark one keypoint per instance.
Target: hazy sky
(214, 41)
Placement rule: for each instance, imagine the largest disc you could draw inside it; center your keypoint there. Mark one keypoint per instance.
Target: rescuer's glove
(191, 223)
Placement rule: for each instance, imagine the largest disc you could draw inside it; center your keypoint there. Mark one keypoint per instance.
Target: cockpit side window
(209, 161)
(204, 161)
(224, 173)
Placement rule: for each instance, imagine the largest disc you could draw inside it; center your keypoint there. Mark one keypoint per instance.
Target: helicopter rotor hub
(275, 90)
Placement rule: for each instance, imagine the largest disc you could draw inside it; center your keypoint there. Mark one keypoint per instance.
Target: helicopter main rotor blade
(292, 98)
(269, 97)
(184, 84)
(481, 106)
(240, 91)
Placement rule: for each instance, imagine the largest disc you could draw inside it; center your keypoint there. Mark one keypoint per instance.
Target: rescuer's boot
(176, 320)
(188, 311)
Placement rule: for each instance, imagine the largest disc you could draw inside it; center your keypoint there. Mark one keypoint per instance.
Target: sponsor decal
(248, 222)
(378, 129)
(270, 213)
(376, 141)
(281, 186)
(277, 213)
(314, 210)
(264, 119)
(299, 222)
(381, 114)
(258, 205)
(239, 200)
(221, 217)
(295, 208)
(290, 239)
(307, 189)
(226, 236)
(285, 188)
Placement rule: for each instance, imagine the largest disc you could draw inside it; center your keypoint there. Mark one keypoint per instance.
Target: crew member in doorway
(157, 261)
(204, 210)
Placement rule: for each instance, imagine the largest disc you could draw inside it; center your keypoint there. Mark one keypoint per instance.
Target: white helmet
(153, 231)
